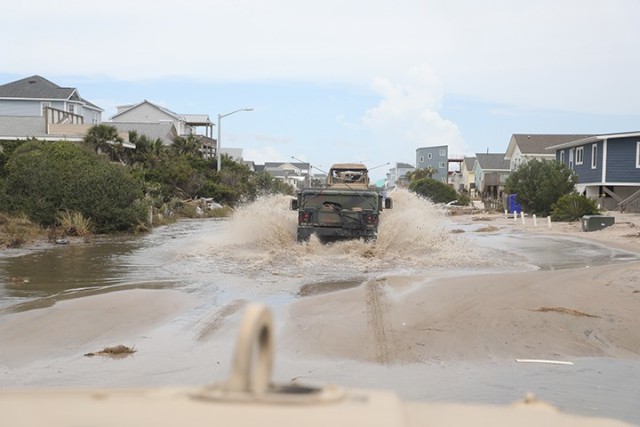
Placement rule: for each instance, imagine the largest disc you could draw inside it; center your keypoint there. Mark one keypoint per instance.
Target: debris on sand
(481, 218)
(565, 310)
(487, 229)
(117, 352)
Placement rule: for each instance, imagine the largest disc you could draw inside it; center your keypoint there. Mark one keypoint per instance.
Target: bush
(16, 230)
(73, 224)
(434, 190)
(572, 207)
(539, 184)
(46, 178)
(463, 200)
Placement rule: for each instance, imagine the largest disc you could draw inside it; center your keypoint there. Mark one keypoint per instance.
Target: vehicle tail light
(304, 217)
(371, 219)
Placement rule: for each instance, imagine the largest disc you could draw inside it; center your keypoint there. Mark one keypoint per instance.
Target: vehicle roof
(348, 166)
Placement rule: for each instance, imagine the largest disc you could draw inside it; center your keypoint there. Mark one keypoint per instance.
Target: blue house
(608, 168)
(435, 157)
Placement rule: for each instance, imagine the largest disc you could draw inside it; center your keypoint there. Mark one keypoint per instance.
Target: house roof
(492, 161)
(594, 138)
(538, 143)
(279, 165)
(37, 87)
(191, 119)
(469, 162)
(196, 119)
(404, 166)
(122, 109)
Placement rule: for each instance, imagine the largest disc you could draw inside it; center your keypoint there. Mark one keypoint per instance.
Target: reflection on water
(63, 268)
(553, 252)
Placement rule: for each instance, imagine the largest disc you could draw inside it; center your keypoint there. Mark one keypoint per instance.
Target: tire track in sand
(376, 309)
(212, 323)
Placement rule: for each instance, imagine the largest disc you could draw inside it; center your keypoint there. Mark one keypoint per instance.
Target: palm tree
(417, 174)
(189, 145)
(105, 139)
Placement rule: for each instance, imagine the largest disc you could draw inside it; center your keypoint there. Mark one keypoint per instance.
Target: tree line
(115, 187)
(542, 187)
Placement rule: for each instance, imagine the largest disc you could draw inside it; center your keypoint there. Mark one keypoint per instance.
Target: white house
(525, 147)
(35, 107)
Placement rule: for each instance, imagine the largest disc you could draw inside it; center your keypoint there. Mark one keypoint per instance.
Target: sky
(337, 81)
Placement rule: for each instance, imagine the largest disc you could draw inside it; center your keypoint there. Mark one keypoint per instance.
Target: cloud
(574, 55)
(407, 116)
(264, 154)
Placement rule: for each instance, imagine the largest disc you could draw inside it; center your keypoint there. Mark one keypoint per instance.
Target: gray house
(525, 147)
(490, 173)
(435, 157)
(608, 168)
(35, 107)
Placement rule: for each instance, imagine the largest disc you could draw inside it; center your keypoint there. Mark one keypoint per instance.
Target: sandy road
(377, 315)
(207, 326)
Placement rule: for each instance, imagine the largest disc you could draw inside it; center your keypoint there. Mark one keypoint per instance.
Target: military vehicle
(346, 208)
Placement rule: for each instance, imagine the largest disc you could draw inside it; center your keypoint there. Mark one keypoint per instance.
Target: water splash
(261, 237)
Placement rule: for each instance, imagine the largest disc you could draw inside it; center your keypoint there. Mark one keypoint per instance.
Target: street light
(220, 116)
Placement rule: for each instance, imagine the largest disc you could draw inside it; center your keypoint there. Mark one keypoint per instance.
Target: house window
(562, 156)
(638, 154)
(71, 108)
(421, 159)
(443, 152)
(579, 155)
(429, 156)
(571, 155)
(441, 165)
(594, 156)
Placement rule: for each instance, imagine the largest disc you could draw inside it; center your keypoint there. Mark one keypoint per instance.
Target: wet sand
(404, 321)
(560, 314)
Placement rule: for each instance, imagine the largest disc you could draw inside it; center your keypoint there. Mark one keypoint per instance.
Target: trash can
(512, 205)
(596, 222)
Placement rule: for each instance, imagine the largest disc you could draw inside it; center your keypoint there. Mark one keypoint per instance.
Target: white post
(549, 221)
(535, 220)
(515, 216)
(506, 214)
(522, 217)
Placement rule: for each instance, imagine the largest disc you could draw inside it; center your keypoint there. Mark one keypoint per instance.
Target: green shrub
(463, 200)
(46, 178)
(539, 184)
(572, 207)
(434, 190)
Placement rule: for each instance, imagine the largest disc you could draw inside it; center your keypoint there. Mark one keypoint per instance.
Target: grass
(15, 231)
(73, 224)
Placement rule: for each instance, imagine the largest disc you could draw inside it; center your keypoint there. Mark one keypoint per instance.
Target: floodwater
(254, 257)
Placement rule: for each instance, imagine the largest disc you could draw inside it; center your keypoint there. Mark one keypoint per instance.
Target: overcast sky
(339, 80)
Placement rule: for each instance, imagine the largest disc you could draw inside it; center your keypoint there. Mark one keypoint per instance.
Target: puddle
(328, 286)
